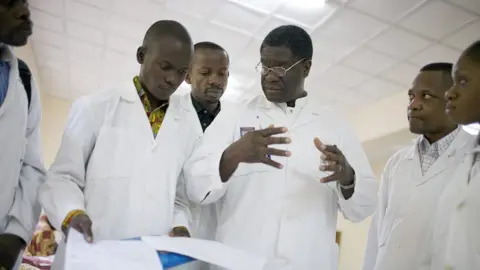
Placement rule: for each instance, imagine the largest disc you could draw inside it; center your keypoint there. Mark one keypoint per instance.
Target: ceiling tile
(121, 44)
(143, 10)
(352, 26)
(388, 10)
(377, 89)
(126, 27)
(84, 49)
(54, 7)
(91, 64)
(48, 37)
(194, 25)
(401, 73)
(266, 6)
(232, 41)
(199, 9)
(470, 5)
(57, 65)
(85, 33)
(307, 15)
(45, 52)
(465, 36)
(268, 26)
(398, 43)
(46, 20)
(84, 13)
(369, 61)
(435, 53)
(342, 75)
(238, 17)
(102, 4)
(250, 57)
(329, 48)
(437, 19)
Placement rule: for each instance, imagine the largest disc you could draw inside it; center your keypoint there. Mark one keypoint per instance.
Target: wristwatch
(352, 185)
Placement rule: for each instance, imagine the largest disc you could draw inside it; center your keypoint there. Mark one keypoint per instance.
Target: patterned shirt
(155, 116)
(4, 78)
(429, 153)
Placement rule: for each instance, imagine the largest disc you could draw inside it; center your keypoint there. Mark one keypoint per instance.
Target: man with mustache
(21, 165)
(280, 195)
(208, 76)
(414, 177)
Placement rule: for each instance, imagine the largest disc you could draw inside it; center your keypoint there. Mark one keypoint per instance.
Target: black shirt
(205, 117)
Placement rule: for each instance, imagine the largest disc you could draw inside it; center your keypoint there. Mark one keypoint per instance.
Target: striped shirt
(429, 153)
(4, 77)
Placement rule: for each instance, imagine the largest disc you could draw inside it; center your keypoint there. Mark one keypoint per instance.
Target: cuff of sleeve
(217, 187)
(16, 228)
(57, 222)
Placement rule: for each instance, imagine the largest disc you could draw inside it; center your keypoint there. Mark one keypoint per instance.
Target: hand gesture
(253, 147)
(82, 224)
(334, 161)
(10, 248)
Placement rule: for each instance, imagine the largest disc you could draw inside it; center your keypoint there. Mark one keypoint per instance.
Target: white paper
(119, 255)
(208, 251)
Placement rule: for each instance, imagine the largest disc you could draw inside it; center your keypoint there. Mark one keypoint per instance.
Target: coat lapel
(413, 159)
(190, 113)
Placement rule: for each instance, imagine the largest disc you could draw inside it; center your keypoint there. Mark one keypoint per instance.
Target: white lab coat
(285, 215)
(399, 232)
(456, 236)
(110, 165)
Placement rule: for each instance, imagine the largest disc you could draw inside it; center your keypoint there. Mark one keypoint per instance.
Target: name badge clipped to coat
(245, 130)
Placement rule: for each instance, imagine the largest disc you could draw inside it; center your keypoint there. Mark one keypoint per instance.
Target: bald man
(116, 171)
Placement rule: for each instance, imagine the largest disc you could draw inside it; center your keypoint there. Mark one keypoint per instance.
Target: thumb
(270, 126)
(87, 231)
(318, 144)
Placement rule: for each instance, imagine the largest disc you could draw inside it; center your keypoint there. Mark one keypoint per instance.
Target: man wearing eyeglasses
(284, 167)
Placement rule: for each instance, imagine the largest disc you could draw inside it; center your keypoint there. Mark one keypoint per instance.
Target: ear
(188, 79)
(141, 51)
(307, 64)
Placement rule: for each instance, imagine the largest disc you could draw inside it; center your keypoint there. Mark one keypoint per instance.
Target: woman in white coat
(116, 171)
(282, 203)
(459, 240)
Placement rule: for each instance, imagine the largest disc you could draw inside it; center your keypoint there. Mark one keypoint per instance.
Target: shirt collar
(142, 94)
(198, 106)
(442, 144)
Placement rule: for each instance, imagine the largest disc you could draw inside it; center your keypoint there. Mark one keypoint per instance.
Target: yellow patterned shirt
(155, 116)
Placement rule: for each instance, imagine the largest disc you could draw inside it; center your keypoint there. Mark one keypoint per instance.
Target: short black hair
(444, 67)
(292, 37)
(208, 45)
(439, 66)
(473, 52)
(167, 28)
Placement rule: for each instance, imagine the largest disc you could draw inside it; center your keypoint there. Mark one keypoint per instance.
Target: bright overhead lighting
(472, 129)
(308, 4)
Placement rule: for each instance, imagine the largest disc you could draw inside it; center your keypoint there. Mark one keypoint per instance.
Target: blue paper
(168, 259)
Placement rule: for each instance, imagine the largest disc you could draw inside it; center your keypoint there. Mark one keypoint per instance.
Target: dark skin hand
(83, 224)
(253, 148)
(10, 248)
(180, 231)
(334, 161)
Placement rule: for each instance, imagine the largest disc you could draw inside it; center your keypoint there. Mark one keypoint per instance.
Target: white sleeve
(202, 170)
(364, 200)
(182, 216)
(377, 220)
(63, 189)
(25, 211)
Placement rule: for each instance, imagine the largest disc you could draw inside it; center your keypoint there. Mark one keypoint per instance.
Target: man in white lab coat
(116, 171)
(414, 177)
(456, 236)
(208, 77)
(281, 203)
(21, 165)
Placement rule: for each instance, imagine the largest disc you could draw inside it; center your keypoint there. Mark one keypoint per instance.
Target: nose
(451, 94)
(415, 105)
(22, 11)
(270, 77)
(214, 80)
(173, 79)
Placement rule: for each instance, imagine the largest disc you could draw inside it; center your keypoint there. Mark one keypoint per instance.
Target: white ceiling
(364, 50)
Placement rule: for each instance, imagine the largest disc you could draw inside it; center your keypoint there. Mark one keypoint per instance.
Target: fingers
(330, 178)
(332, 167)
(277, 152)
(273, 131)
(325, 148)
(267, 161)
(278, 140)
(86, 228)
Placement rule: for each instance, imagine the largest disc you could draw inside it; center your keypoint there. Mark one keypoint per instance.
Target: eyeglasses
(277, 71)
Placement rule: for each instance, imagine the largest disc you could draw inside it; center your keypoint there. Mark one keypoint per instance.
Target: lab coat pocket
(115, 153)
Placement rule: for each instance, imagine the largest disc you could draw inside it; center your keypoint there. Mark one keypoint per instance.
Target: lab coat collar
(299, 103)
